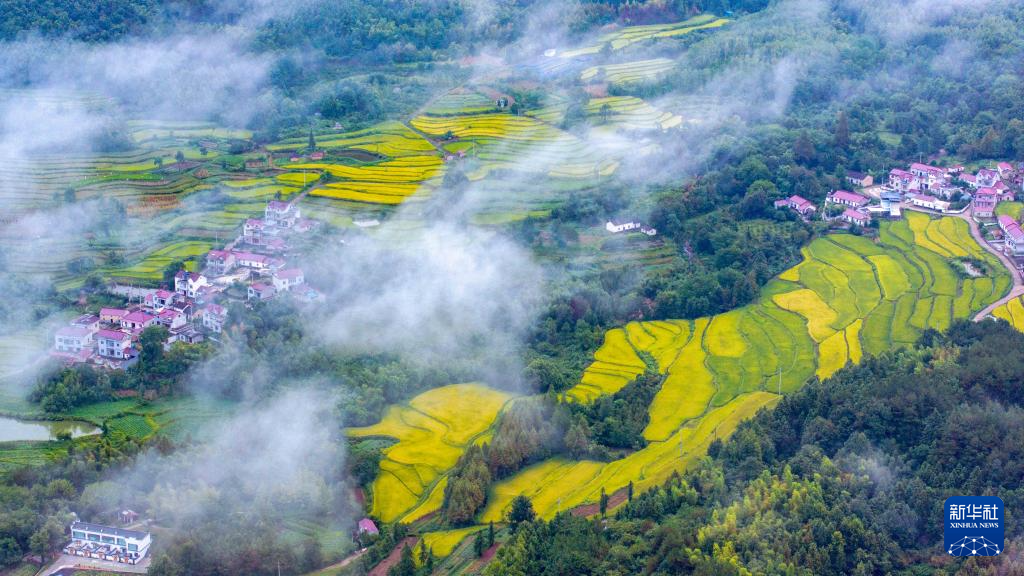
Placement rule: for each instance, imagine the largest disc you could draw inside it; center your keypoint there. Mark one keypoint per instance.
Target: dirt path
(345, 561)
(1018, 282)
(393, 558)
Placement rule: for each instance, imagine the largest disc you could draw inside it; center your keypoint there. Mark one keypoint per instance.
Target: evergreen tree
(521, 511)
(604, 502)
(312, 140)
(841, 137)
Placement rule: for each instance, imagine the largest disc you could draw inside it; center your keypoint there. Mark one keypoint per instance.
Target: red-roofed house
(854, 217)
(985, 202)
(928, 176)
(900, 179)
(284, 280)
(73, 339)
(260, 291)
(986, 177)
(800, 204)
(113, 344)
(112, 315)
(220, 262)
(366, 526)
(160, 299)
(847, 199)
(187, 283)
(1005, 222)
(283, 214)
(250, 260)
(172, 319)
(1005, 169)
(137, 320)
(1014, 241)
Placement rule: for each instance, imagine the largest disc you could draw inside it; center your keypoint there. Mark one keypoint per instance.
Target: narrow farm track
(1018, 282)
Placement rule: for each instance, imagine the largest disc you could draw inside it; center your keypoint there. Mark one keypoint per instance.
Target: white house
(213, 317)
(220, 262)
(616, 226)
(930, 202)
(284, 280)
(187, 283)
(73, 339)
(260, 291)
(113, 344)
(108, 543)
(846, 198)
(283, 214)
(1014, 241)
(854, 217)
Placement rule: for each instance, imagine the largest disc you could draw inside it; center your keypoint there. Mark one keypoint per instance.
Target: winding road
(1018, 282)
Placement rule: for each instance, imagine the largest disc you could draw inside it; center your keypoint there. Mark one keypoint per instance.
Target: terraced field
(389, 139)
(850, 296)
(631, 35)
(637, 72)
(389, 182)
(433, 430)
(460, 102)
(1012, 312)
(504, 141)
(632, 113)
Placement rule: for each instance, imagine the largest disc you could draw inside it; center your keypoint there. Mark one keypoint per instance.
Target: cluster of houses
(108, 543)
(935, 188)
(279, 220)
(191, 311)
(922, 186)
(111, 338)
(1013, 239)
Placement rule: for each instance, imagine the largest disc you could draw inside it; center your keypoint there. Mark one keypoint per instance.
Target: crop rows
(849, 297)
(628, 72)
(387, 139)
(433, 430)
(633, 113)
(504, 141)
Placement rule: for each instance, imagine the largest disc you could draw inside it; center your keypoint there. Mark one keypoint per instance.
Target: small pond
(14, 429)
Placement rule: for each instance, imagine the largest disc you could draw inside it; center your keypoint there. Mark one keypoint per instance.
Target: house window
(120, 541)
(108, 539)
(78, 535)
(133, 547)
(94, 537)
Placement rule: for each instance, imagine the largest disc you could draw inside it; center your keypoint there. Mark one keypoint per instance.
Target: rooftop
(138, 316)
(846, 196)
(109, 530)
(116, 335)
(73, 332)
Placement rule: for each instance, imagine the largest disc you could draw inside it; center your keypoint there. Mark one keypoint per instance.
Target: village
(928, 188)
(195, 307)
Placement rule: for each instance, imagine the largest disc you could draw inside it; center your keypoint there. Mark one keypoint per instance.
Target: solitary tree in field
(490, 534)
(604, 502)
(69, 195)
(158, 161)
(606, 113)
(521, 511)
(179, 156)
(312, 140)
(629, 491)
